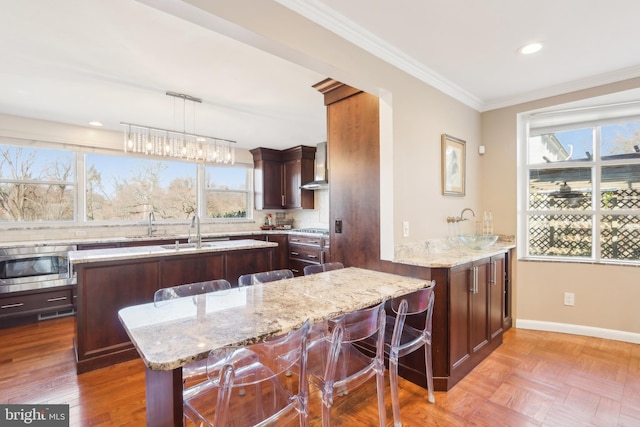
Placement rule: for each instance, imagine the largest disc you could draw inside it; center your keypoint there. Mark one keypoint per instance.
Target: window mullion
(597, 195)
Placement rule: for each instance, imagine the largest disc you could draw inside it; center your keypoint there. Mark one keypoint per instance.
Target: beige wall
(605, 295)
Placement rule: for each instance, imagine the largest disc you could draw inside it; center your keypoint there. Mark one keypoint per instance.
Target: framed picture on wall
(453, 166)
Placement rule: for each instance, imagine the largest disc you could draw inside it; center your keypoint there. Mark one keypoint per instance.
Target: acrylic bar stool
(319, 268)
(264, 277)
(337, 366)
(254, 385)
(193, 372)
(402, 339)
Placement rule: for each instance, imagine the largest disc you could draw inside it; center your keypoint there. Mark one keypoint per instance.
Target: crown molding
(317, 12)
(326, 17)
(573, 86)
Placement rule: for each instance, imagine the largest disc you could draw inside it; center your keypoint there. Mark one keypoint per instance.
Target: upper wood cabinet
(278, 176)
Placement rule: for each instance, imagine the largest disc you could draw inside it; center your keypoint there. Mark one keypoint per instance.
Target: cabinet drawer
(297, 266)
(35, 302)
(305, 240)
(307, 253)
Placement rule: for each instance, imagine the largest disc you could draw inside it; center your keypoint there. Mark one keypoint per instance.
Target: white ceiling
(74, 61)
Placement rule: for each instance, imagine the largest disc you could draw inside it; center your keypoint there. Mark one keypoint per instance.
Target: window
(128, 188)
(36, 184)
(227, 191)
(582, 185)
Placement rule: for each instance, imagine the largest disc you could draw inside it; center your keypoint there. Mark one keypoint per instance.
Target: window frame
(595, 165)
(79, 164)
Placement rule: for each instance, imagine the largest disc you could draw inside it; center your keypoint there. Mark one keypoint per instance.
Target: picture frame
(453, 166)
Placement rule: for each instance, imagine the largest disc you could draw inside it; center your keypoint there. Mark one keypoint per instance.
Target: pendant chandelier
(153, 141)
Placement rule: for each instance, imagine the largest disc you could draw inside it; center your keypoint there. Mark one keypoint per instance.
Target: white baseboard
(588, 331)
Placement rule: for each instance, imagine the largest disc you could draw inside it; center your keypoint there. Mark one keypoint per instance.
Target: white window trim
(596, 164)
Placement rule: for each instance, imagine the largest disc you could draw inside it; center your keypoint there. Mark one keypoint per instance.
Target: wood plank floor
(533, 379)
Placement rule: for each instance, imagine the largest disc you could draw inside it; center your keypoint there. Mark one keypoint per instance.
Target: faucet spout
(152, 218)
(195, 222)
(462, 218)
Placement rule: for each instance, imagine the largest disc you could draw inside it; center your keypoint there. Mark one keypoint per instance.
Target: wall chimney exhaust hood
(320, 169)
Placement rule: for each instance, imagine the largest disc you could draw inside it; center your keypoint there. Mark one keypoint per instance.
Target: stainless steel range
(34, 267)
(323, 231)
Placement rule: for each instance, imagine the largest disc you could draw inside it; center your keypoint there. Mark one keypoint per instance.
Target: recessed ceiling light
(95, 123)
(530, 48)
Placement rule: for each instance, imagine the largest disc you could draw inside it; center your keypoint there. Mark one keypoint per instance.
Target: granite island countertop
(183, 331)
(114, 254)
(449, 256)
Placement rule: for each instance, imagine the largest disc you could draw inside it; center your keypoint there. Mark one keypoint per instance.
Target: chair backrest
(319, 268)
(264, 365)
(264, 277)
(164, 295)
(352, 327)
(409, 305)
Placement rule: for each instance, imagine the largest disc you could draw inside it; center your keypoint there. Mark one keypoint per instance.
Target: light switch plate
(405, 228)
(569, 298)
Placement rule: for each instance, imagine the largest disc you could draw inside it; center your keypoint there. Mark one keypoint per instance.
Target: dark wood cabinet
(191, 269)
(247, 261)
(281, 254)
(497, 275)
(278, 176)
(353, 159)
(469, 323)
(267, 166)
(104, 289)
(25, 306)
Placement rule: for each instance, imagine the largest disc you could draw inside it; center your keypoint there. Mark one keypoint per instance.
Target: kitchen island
(110, 279)
(176, 334)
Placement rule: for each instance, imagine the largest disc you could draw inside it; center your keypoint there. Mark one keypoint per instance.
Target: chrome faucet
(461, 217)
(152, 218)
(195, 222)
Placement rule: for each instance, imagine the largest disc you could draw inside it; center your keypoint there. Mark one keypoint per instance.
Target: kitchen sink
(478, 241)
(181, 246)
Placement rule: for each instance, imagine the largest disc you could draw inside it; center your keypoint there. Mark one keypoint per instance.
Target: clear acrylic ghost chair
(194, 372)
(336, 365)
(317, 330)
(165, 295)
(319, 268)
(402, 339)
(264, 277)
(257, 385)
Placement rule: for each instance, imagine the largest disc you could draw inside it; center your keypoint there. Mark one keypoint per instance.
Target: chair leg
(326, 415)
(395, 399)
(429, 366)
(382, 415)
(327, 402)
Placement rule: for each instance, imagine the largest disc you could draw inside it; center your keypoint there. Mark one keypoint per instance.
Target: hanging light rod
(155, 141)
(176, 132)
(184, 96)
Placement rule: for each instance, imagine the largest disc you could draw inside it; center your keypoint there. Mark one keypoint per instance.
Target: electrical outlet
(569, 298)
(405, 228)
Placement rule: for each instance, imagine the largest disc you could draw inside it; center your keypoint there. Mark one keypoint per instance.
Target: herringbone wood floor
(533, 379)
